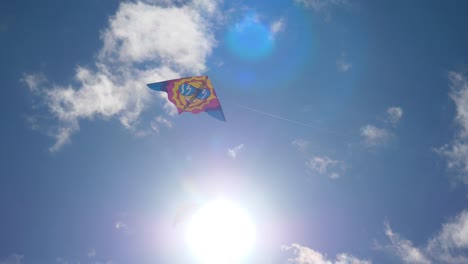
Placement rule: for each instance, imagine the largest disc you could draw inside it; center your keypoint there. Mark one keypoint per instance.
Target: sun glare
(220, 232)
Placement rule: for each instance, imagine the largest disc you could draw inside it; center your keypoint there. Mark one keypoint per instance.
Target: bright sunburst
(220, 232)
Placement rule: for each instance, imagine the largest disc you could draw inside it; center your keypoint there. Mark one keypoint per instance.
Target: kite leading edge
(191, 94)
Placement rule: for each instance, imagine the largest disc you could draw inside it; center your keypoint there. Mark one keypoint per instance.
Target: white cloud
(301, 144)
(235, 151)
(143, 43)
(342, 64)
(394, 113)
(457, 151)
(405, 249)
(374, 136)
(13, 259)
(277, 26)
(325, 165)
(305, 255)
(449, 245)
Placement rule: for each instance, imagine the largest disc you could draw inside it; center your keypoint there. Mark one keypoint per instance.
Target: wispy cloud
(13, 259)
(277, 26)
(456, 152)
(374, 136)
(318, 5)
(235, 151)
(300, 144)
(394, 113)
(322, 6)
(305, 255)
(325, 166)
(405, 249)
(343, 64)
(317, 164)
(158, 121)
(169, 40)
(449, 245)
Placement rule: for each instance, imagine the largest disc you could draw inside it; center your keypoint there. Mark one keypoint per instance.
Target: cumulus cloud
(13, 259)
(449, 245)
(456, 152)
(374, 136)
(325, 166)
(305, 255)
(144, 42)
(235, 151)
(394, 114)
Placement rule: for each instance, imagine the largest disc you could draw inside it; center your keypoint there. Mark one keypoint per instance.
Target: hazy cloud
(305, 255)
(169, 40)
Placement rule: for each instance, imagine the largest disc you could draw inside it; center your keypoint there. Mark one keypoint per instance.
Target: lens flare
(250, 39)
(220, 232)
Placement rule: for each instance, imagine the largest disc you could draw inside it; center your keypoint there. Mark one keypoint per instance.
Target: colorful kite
(192, 94)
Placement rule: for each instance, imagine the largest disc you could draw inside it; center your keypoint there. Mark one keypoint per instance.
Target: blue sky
(346, 137)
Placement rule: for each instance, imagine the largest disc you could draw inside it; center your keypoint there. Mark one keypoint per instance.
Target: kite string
(273, 115)
(287, 119)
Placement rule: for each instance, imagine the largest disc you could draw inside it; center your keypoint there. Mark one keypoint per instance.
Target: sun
(220, 232)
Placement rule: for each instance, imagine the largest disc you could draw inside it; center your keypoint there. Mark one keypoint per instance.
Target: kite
(191, 94)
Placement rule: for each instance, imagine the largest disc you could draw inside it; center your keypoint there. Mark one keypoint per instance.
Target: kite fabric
(191, 94)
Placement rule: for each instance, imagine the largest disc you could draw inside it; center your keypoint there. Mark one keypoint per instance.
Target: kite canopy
(191, 94)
